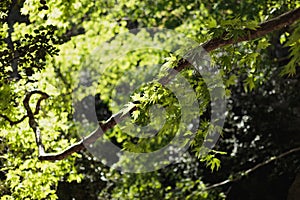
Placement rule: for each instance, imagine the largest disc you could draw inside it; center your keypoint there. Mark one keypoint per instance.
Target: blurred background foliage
(45, 44)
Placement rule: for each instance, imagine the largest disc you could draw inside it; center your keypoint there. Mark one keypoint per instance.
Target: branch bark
(264, 28)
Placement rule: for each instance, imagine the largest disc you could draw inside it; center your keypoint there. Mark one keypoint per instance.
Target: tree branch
(27, 98)
(32, 122)
(248, 171)
(103, 127)
(11, 122)
(265, 28)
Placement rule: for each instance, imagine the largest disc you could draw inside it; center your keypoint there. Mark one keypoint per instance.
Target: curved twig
(26, 99)
(32, 122)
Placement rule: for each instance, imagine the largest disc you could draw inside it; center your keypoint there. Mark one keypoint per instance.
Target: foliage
(45, 45)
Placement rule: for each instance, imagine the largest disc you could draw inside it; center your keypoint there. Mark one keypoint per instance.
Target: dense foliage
(57, 47)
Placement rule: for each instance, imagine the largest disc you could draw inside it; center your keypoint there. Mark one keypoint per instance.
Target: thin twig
(248, 171)
(11, 122)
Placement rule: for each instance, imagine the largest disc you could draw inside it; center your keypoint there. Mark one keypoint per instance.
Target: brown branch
(248, 171)
(32, 122)
(11, 122)
(265, 28)
(103, 127)
(38, 104)
(27, 98)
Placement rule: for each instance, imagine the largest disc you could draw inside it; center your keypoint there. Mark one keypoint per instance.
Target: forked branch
(264, 28)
